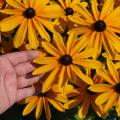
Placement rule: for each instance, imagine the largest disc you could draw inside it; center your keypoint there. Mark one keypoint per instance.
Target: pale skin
(14, 83)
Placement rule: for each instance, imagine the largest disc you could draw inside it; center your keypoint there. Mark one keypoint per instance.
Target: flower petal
(73, 103)
(102, 98)
(58, 40)
(85, 14)
(52, 11)
(62, 79)
(104, 74)
(45, 60)
(50, 49)
(70, 42)
(50, 80)
(95, 9)
(118, 107)
(100, 87)
(78, 21)
(108, 47)
(32, 35)
(11, 23)
(80, 45)
(84, 108)
(81, 75)
(47, 108)
(15, 4)
(48, 24)
(39, 108)
(39, 3)
(87, 63)
(11, 11)
(44, 69)
(110, 102)
(32, 3)
(41, 29)
(112, 70)
(29, 108)
(56, 104)
(20, 35)
(62, 3)
(106, 8)
(85, 54)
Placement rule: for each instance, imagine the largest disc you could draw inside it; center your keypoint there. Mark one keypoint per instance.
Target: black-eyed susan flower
(31, 16)
(44, 100)
(100, 26)
(110, 91)
(69, 9)
(65, 58)
(84, 97)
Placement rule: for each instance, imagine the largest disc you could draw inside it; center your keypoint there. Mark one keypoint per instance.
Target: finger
(24, 81)
(24, 68)
(24, 93)
(21, 57)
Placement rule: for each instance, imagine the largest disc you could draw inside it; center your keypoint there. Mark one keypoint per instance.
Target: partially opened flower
(65, 58)
(84, 97)
(110, 91)
(43, 100)
(100, 26)
(31, 16)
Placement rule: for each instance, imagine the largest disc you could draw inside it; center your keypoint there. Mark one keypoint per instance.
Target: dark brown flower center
(29, 13)
(69, 11)
(99, 26)
(42, 94)
(117, 87)
(65, 60)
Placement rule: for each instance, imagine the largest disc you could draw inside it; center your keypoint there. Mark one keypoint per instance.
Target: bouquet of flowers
(79, 46)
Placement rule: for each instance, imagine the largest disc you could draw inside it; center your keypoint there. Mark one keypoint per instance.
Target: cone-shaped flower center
(69, 11)
(66, 60)
(99, 26)
(117, 87)
(29, 13)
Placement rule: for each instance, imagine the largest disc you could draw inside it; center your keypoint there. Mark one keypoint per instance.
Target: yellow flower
(110, 92)
(63, 59)
(69, 9)
(41, 100)
(81, 95)
(31, 16)
(100, 26)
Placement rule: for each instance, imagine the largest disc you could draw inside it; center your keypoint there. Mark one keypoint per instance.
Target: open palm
(15, 80)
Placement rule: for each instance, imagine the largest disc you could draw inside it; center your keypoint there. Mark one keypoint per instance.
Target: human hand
(14, 83)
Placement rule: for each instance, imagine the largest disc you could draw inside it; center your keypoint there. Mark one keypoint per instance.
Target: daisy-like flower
(100, 26)
(69, 9)
(63, 59)
(31, 16)
(43, 100)
(110, 91)
(84, 97)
